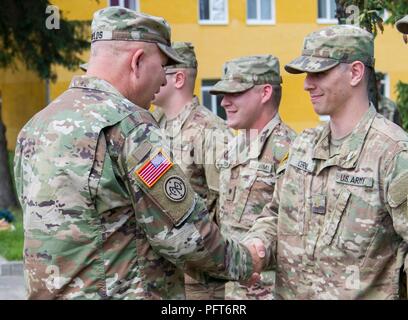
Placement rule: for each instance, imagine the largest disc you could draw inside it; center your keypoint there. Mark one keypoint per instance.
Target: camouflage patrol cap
(243, 73)
(402, 25)
(185, 50)
(118, 23)
(328, 47)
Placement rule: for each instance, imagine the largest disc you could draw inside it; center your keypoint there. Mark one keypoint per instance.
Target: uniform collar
(351, 147)
(247, 150)
(94, 83)
(177, 122)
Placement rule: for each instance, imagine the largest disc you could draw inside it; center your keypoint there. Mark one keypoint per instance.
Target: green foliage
(11, 242)
(370, 11)
(402, 102)
(24, 36)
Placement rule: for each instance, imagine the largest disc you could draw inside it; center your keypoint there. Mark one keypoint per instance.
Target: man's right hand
(257, 250)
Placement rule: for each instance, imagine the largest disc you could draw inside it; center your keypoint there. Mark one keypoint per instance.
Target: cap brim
(84, 66)
(402, 25)
(230, 86)
(310, 64)
(174, 58)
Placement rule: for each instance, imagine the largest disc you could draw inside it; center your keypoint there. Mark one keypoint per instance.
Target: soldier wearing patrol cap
(342, 227)
(248, 171)
(197, 136)
(402, 25)
(107, 214)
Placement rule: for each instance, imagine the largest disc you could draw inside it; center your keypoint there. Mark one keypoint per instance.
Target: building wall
(23, 93)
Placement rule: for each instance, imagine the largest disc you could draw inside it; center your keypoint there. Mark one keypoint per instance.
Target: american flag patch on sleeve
(154, 168)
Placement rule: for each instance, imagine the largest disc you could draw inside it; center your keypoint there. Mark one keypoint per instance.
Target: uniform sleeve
(215, 143)
(172, 216)
(396, 186)
(265, 227)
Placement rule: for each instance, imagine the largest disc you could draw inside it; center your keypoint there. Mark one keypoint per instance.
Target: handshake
(258, 254)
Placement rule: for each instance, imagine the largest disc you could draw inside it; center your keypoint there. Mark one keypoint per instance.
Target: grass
(11, 242)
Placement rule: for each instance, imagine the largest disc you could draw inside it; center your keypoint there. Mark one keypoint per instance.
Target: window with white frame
(326, 11)
(210, 101)
(213, 11)
(130, 4)
(385, 85)
(261, 11)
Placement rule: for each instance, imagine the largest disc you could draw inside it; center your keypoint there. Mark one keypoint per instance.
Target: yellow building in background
(220, 30)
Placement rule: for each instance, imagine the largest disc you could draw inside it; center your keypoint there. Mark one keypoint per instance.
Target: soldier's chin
(232, 125)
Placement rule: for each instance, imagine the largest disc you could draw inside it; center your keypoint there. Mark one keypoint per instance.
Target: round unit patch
(175, 188)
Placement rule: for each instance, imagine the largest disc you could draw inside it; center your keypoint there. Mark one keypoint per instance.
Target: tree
(369, 17)
(39, 38)
(370, 11)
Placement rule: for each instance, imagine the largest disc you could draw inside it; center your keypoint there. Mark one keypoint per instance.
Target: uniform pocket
(352, 227)
(246, 180)
(259, 192)
(333, 220)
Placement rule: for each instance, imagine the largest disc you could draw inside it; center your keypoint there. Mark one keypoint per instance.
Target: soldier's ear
(179, 79)
(136, 60)
(266, 92)
(357, 69)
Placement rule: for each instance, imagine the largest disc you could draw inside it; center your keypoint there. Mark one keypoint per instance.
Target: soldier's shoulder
(206, 118)
(389, 130)
(309, 136)
(284, 130)
(137, 118)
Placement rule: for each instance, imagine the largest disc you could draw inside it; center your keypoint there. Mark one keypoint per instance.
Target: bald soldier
(197, 137)
(252, 92)
(107, 213)
(337, 227)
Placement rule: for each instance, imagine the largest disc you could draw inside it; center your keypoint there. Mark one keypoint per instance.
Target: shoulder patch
(166, 185)
(175, 188)
(389, 129)
(398, 190)
(154, 168)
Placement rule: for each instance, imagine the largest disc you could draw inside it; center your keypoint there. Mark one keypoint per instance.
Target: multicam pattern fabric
(93, 230)
(119, 23)
(247, 181)
(327, 47)
(342, 228)
(185, 50)
(197, 138)
(157, 113)
(243, 73)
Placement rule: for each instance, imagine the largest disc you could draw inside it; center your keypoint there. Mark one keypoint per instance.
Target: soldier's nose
(308, 84)
(224, 102)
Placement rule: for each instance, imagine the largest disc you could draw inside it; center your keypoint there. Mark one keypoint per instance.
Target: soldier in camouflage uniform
(252, 92)
(107, 214)
(386, 106)
(197, 137)
(402, 25)
(342, 228)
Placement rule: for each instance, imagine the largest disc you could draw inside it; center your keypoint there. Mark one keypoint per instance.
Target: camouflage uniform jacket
(93, 229)
(157, 113)
(388, 109)
(248, 176)
(197, 138)
(342, 229)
